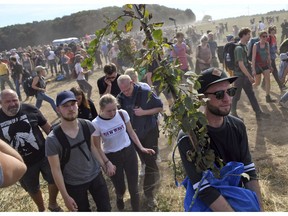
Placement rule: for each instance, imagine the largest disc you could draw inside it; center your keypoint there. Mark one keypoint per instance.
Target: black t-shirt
(230, 143)
(17, 69)
(22, 132)
(102, 86)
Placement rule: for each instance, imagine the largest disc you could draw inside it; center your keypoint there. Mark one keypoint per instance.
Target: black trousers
(99, 191)
(244, 83)
(126, 161)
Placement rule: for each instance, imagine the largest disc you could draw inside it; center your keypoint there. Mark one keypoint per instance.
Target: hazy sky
(18, 12)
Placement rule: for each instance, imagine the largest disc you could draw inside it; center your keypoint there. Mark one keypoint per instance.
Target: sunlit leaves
(129, 6)
(129, 25)
(157, 35)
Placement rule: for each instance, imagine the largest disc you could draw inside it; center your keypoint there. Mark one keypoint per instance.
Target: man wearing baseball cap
(228, 138)
(82, 172)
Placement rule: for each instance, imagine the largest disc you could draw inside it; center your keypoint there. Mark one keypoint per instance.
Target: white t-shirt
(112, 131)
(79, 71)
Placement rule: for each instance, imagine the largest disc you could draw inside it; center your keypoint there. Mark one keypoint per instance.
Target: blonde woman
(114, 127)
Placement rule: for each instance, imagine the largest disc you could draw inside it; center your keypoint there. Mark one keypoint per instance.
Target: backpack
(27, 86)
(66, 148)
(228, 55)
(250, 47)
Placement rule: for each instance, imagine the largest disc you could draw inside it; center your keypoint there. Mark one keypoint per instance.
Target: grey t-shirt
(78, 170)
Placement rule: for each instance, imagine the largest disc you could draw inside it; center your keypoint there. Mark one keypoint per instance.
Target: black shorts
(30, 180)
(260, 70)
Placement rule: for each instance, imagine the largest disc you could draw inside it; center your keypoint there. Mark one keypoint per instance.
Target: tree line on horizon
(80, 24)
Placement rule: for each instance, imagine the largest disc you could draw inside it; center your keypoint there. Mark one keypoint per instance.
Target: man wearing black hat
(82, 171)
(228, 138)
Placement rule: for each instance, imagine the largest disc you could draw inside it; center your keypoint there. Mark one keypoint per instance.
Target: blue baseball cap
(64, 97)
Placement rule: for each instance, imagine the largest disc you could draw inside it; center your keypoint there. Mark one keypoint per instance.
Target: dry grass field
(267, 139)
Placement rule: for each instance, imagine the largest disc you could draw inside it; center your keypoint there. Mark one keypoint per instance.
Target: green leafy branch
(185, 112)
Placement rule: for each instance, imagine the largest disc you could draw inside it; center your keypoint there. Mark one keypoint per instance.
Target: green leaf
(129, 6)
(146, 14)
(158, 25)
(129, 25)
(157, 34)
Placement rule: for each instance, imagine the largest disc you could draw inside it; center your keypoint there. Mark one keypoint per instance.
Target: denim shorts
(30, 181)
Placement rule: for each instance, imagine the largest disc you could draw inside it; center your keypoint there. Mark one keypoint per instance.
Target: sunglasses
(264, 36)
(220, 94)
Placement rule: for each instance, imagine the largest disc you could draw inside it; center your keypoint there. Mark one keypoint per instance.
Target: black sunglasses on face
(220, 94)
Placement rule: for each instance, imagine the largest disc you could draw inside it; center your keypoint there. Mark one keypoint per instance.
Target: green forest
(80, 24)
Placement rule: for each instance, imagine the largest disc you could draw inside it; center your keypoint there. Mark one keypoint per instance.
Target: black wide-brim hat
(212, 76)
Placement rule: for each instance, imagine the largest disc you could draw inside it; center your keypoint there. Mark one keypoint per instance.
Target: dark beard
(215, 110)
(69, 119)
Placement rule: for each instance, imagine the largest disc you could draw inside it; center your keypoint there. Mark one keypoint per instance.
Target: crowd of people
(126, 127)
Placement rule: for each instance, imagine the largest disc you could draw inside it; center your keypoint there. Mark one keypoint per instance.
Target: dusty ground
(267, 139)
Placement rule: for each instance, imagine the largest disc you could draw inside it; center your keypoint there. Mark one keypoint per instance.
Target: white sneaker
(142, 170)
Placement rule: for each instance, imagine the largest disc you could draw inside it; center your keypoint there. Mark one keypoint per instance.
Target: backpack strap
(66, 148)
(122, 116)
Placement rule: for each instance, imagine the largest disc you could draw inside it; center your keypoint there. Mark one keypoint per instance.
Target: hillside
(77, 25)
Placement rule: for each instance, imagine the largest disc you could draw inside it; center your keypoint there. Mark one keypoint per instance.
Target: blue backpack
(239, 198)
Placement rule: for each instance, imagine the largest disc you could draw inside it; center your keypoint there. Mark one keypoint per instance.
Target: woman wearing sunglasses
(261, 63)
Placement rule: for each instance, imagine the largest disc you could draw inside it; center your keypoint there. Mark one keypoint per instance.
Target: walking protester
(108, 82)
(203, 55)
(261, 26)
(39, 85)
(114, 128)
(78, 172)
(213, 48)
(5, 75)
(64, 60)
(284, 27)
(39, 59)
(228, 139)
(245, 78)
(113, 55)
(104, 50)
(51, 57)
(133, 74)
(27, 63)
(179, 52)
(81, 80)
(17, 73)
(71, 57)
(86, 107)
(12, 166)
(253, 28)
(20, 128)
(272, 41)
(283, 68)
(261, 63)
(142, 107)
